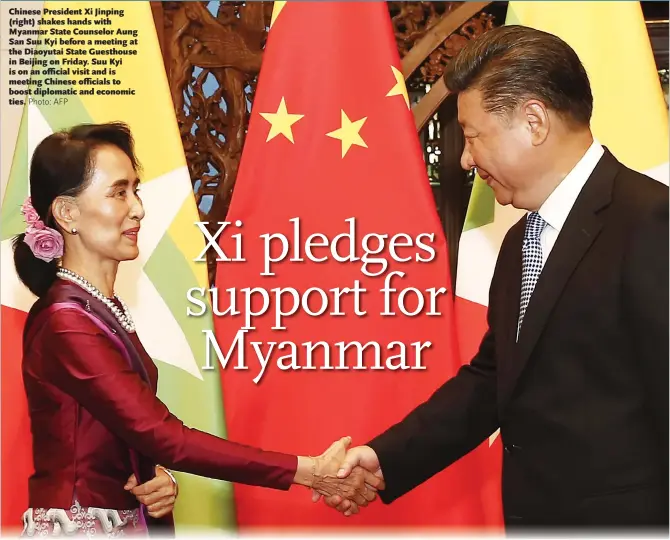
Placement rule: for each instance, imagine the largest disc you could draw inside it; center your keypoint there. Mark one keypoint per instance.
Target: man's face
(500, 148)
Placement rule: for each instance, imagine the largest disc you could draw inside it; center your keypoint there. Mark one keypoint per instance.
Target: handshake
(346, 478)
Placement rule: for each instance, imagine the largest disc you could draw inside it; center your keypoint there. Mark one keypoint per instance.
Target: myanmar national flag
(154, 286)
(332, 156)
(629, 117)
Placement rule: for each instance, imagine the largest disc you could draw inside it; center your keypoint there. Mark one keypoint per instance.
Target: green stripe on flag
(199, 402)
(64, 111)
(168, 256)
(11, 221)
(66, 115)
(58, 115)
(210, 502)
(481, 209)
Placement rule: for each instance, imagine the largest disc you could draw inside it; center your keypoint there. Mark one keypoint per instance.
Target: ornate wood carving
(412, 20)
(428, 34)
(433, 67)
(437, 47)
(436, 35)
(214, 61)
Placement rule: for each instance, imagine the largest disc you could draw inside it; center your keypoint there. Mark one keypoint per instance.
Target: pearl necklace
(123, 317)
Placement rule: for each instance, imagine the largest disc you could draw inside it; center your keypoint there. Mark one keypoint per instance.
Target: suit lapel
(576, 237)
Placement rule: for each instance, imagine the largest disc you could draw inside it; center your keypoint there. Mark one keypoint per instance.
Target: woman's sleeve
(86, 365)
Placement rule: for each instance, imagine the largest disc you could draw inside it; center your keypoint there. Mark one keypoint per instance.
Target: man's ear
(537, 116)
(66, 212)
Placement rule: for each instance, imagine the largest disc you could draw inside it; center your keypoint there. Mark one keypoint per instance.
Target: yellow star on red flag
(281, 122)
(349, 133)
(400, 89)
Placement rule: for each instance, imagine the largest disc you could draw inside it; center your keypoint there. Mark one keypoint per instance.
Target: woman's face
(109, 209)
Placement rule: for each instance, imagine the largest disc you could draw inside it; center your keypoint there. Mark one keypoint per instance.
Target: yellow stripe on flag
(630, 116)
(157, 159)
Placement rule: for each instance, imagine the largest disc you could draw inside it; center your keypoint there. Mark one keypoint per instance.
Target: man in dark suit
(574, 366)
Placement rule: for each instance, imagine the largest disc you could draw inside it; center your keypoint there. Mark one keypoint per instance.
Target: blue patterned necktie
(532, 261)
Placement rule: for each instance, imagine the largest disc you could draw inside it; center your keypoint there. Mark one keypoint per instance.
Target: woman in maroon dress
(98, 427)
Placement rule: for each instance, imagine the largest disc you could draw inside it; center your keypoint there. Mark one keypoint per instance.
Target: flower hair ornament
(45, 243)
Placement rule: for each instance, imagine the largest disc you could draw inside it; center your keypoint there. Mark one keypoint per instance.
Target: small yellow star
(348, 133)
(276, 10)
(399, 89)
(281, 122)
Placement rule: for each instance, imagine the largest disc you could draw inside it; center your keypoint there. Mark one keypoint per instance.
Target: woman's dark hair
(62, 165)
(511, 64)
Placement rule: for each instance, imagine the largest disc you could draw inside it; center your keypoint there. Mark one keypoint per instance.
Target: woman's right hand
(158, 494)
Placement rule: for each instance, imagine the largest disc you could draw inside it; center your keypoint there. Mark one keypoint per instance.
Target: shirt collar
(556, 208)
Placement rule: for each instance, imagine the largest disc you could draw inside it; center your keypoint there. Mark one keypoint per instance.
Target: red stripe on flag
(471, 324)
(17, 457)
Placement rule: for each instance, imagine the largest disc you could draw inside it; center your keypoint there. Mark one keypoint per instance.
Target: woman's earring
(74, 230)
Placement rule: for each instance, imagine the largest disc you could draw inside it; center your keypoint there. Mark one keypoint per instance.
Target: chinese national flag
(331, 137)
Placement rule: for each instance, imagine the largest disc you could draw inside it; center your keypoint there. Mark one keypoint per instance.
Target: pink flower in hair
(31, 216)
(45, 243)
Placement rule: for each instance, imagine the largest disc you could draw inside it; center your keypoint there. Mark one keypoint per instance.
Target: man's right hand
(359, 456)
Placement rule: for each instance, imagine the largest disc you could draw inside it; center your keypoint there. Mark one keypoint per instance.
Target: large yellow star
(281, 122)
(348, 133)
(399, 89)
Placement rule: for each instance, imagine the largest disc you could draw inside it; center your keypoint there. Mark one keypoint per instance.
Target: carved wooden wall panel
(213, 61)
(438, 42)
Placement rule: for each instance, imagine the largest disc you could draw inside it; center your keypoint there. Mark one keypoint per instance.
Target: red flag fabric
(16, 466)
(471, 324)
(333, 187)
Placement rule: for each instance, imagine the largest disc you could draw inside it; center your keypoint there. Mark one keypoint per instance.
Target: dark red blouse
(88, 408)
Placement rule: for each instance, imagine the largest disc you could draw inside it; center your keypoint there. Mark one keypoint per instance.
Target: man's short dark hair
(511, 64)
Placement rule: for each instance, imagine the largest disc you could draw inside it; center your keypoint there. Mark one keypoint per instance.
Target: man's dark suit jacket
(582, 398)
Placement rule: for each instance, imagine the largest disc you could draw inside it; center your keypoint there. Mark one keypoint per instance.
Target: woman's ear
(66, 212)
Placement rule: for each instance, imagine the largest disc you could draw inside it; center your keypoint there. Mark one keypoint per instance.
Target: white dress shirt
(556, 208)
